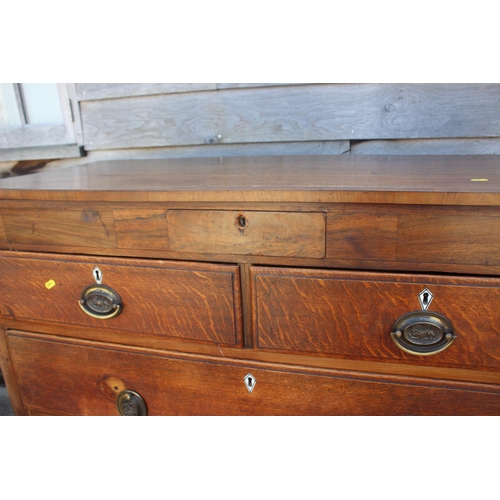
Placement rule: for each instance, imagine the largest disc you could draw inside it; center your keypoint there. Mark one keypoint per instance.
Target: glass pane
(41, 101)
(9, 112)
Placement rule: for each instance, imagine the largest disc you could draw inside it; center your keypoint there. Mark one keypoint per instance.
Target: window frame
(45, 141)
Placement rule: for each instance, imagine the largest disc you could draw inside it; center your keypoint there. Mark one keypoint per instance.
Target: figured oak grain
(186, 301)
(351, 314)
(283, 234)
(73, 378)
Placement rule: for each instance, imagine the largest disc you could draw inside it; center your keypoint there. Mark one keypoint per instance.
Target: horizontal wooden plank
(263, 233)
(296, 113)
(473, 146)
(90, 91)
(221, 86)
(225, 150)
(31, 136)
(40, 153)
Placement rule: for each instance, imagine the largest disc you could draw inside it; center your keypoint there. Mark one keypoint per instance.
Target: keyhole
(97, 275)
(426, 298)
(250, 381)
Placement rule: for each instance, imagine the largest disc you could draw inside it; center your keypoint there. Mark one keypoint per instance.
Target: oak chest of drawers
(253, 286)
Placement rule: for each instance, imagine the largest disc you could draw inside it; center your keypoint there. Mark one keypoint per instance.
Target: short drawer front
(286, 234)
(187, 301)
(72, 378)
(352, 315)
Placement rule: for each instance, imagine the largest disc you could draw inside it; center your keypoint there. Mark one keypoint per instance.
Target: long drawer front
(179, 300)
(67, 377)
(355, 315)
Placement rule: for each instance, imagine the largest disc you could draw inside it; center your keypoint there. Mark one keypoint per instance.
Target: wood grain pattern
(221, 86)
(350, 314)
(359, 232)
(465, 239)
(92, 91)
(413, 234)
(86, 227)
(178, 300)
(41, 153)
(72, 378)
(267, 233)
(294, 113)
(248, 354)
(9, 374)
(437, 180)
(3, 235)
(459, 146)
(225, 150)
(35, 136)
(141, 228)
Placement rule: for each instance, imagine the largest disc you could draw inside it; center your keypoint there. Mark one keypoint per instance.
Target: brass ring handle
(423, 333)
(100, 301)
(131, 404)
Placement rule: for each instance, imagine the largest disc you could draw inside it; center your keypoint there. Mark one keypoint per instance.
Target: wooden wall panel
(225, 150)
(91, 91)
(473, 146)
(220, 86)
(294, 113)
(34, 136)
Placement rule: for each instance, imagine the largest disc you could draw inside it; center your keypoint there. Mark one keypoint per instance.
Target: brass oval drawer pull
(423, 333)
(100, 301)
(130, 404)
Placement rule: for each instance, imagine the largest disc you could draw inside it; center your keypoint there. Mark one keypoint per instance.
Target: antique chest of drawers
(253, 286)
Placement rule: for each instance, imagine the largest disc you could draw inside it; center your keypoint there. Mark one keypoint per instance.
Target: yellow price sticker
(50, 284)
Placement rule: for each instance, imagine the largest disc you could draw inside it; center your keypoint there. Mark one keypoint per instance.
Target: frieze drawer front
(430, 320)
(96, 379)
(185, 301)
(249, 232)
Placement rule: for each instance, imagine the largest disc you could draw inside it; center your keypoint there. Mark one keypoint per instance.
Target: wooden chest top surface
(450, 180)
